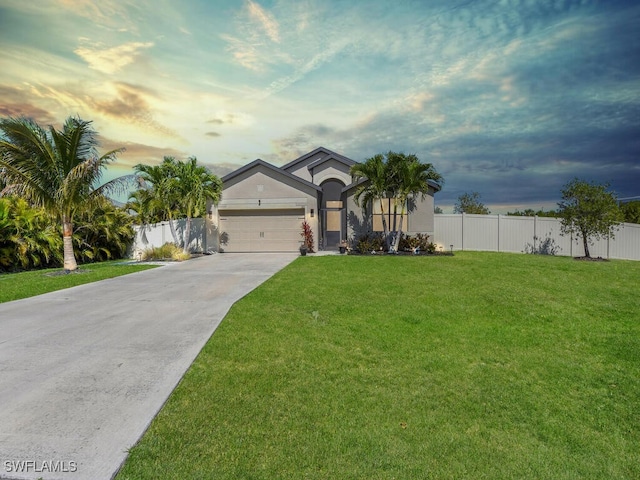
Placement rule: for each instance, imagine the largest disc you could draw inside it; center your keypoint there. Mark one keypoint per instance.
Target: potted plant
(342, 246)
(307, 239)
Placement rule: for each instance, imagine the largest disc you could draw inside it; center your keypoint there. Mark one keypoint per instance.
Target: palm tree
(374, 186)
(160, 197)
(59, 170)
(195, 185)
(177, 188)
(410, 178)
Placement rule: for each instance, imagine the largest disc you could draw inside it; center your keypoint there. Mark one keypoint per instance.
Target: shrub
(545, 247)
(419, 241)
(168, 251)
(307, 236)
(28, 237)
(370, 242)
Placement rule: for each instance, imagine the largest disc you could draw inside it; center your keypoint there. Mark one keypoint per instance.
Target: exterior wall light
(311, 213)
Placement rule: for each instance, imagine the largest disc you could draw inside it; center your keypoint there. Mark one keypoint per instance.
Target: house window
(393, 221)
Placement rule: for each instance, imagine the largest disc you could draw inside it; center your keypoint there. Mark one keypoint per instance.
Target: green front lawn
(14, 286)
(475, 366)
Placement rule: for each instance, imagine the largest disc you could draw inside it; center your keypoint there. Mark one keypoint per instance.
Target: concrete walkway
(83, 371)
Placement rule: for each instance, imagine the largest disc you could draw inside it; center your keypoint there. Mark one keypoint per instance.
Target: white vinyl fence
(157, 234)
(505, 233)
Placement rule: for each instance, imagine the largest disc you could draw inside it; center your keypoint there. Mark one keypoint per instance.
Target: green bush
(29, 238)
(419, 241)
(371, 242)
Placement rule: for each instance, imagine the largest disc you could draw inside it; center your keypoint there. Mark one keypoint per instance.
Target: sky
(508, 98)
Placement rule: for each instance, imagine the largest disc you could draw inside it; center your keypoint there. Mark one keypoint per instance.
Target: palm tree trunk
(385, 229)
(70, 263)
(399, 235)
(174, 234)
(187, 235)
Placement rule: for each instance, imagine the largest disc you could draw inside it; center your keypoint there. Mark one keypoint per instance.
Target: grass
(481, 365)
(14, 286)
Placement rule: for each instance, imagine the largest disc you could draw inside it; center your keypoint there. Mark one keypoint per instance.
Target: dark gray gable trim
(340, 159)
(328, 153)
(260, 162)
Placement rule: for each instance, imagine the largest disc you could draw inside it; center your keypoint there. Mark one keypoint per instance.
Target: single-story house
(263, 206)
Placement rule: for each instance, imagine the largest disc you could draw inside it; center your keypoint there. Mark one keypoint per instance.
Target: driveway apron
(83, 371)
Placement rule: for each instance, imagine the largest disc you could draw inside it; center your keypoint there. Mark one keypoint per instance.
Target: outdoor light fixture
(451, 246)
(312, 213)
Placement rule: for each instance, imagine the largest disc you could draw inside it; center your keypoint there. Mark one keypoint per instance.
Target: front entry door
(332, 223)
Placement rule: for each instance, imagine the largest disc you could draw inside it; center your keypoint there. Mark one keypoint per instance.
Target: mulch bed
(591, 259)
(406, 254)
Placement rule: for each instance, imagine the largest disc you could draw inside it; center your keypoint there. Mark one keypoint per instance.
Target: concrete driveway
(83, 371)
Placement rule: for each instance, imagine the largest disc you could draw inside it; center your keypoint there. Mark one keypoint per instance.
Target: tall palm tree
(178, 189)
(409, 178)
(59, 170)
(374, 186)
(195, 185)
(160, 199)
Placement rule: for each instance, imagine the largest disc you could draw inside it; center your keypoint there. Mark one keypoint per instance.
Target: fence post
(498, 232)
(462, 239)
(535, 233)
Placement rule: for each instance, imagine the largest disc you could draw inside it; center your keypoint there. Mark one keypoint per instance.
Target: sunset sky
(509, 98)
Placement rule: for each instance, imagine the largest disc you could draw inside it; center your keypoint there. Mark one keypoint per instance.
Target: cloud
(114, 14)
(136, 153)
(15, 103)
(131, 104)
(256, 28)
(110, 60)
(212, 134)
(264, 20)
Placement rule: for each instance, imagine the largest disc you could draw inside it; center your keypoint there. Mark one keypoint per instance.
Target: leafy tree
(59, 170)
(529, 212)
(588, 209)
(470, 203)
(437, 210)
(631, 211)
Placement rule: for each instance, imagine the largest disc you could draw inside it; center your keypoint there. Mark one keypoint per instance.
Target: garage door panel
(261, 231)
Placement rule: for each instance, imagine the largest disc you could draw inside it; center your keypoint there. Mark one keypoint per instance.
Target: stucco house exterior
(263, 206)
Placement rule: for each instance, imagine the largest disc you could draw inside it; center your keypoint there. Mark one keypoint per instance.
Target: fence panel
(480, 232)
(626, 243)
(548, 238)
(537, 234)
(516, 234)
(157, 234)
(448, 231)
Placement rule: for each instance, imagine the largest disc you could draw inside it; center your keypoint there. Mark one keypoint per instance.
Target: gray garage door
(261, 230)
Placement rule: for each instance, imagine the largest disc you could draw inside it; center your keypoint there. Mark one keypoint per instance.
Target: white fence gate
(506, 233)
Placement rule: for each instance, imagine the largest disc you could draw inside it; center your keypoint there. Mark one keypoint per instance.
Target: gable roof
(327, 155)
(260, 162)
